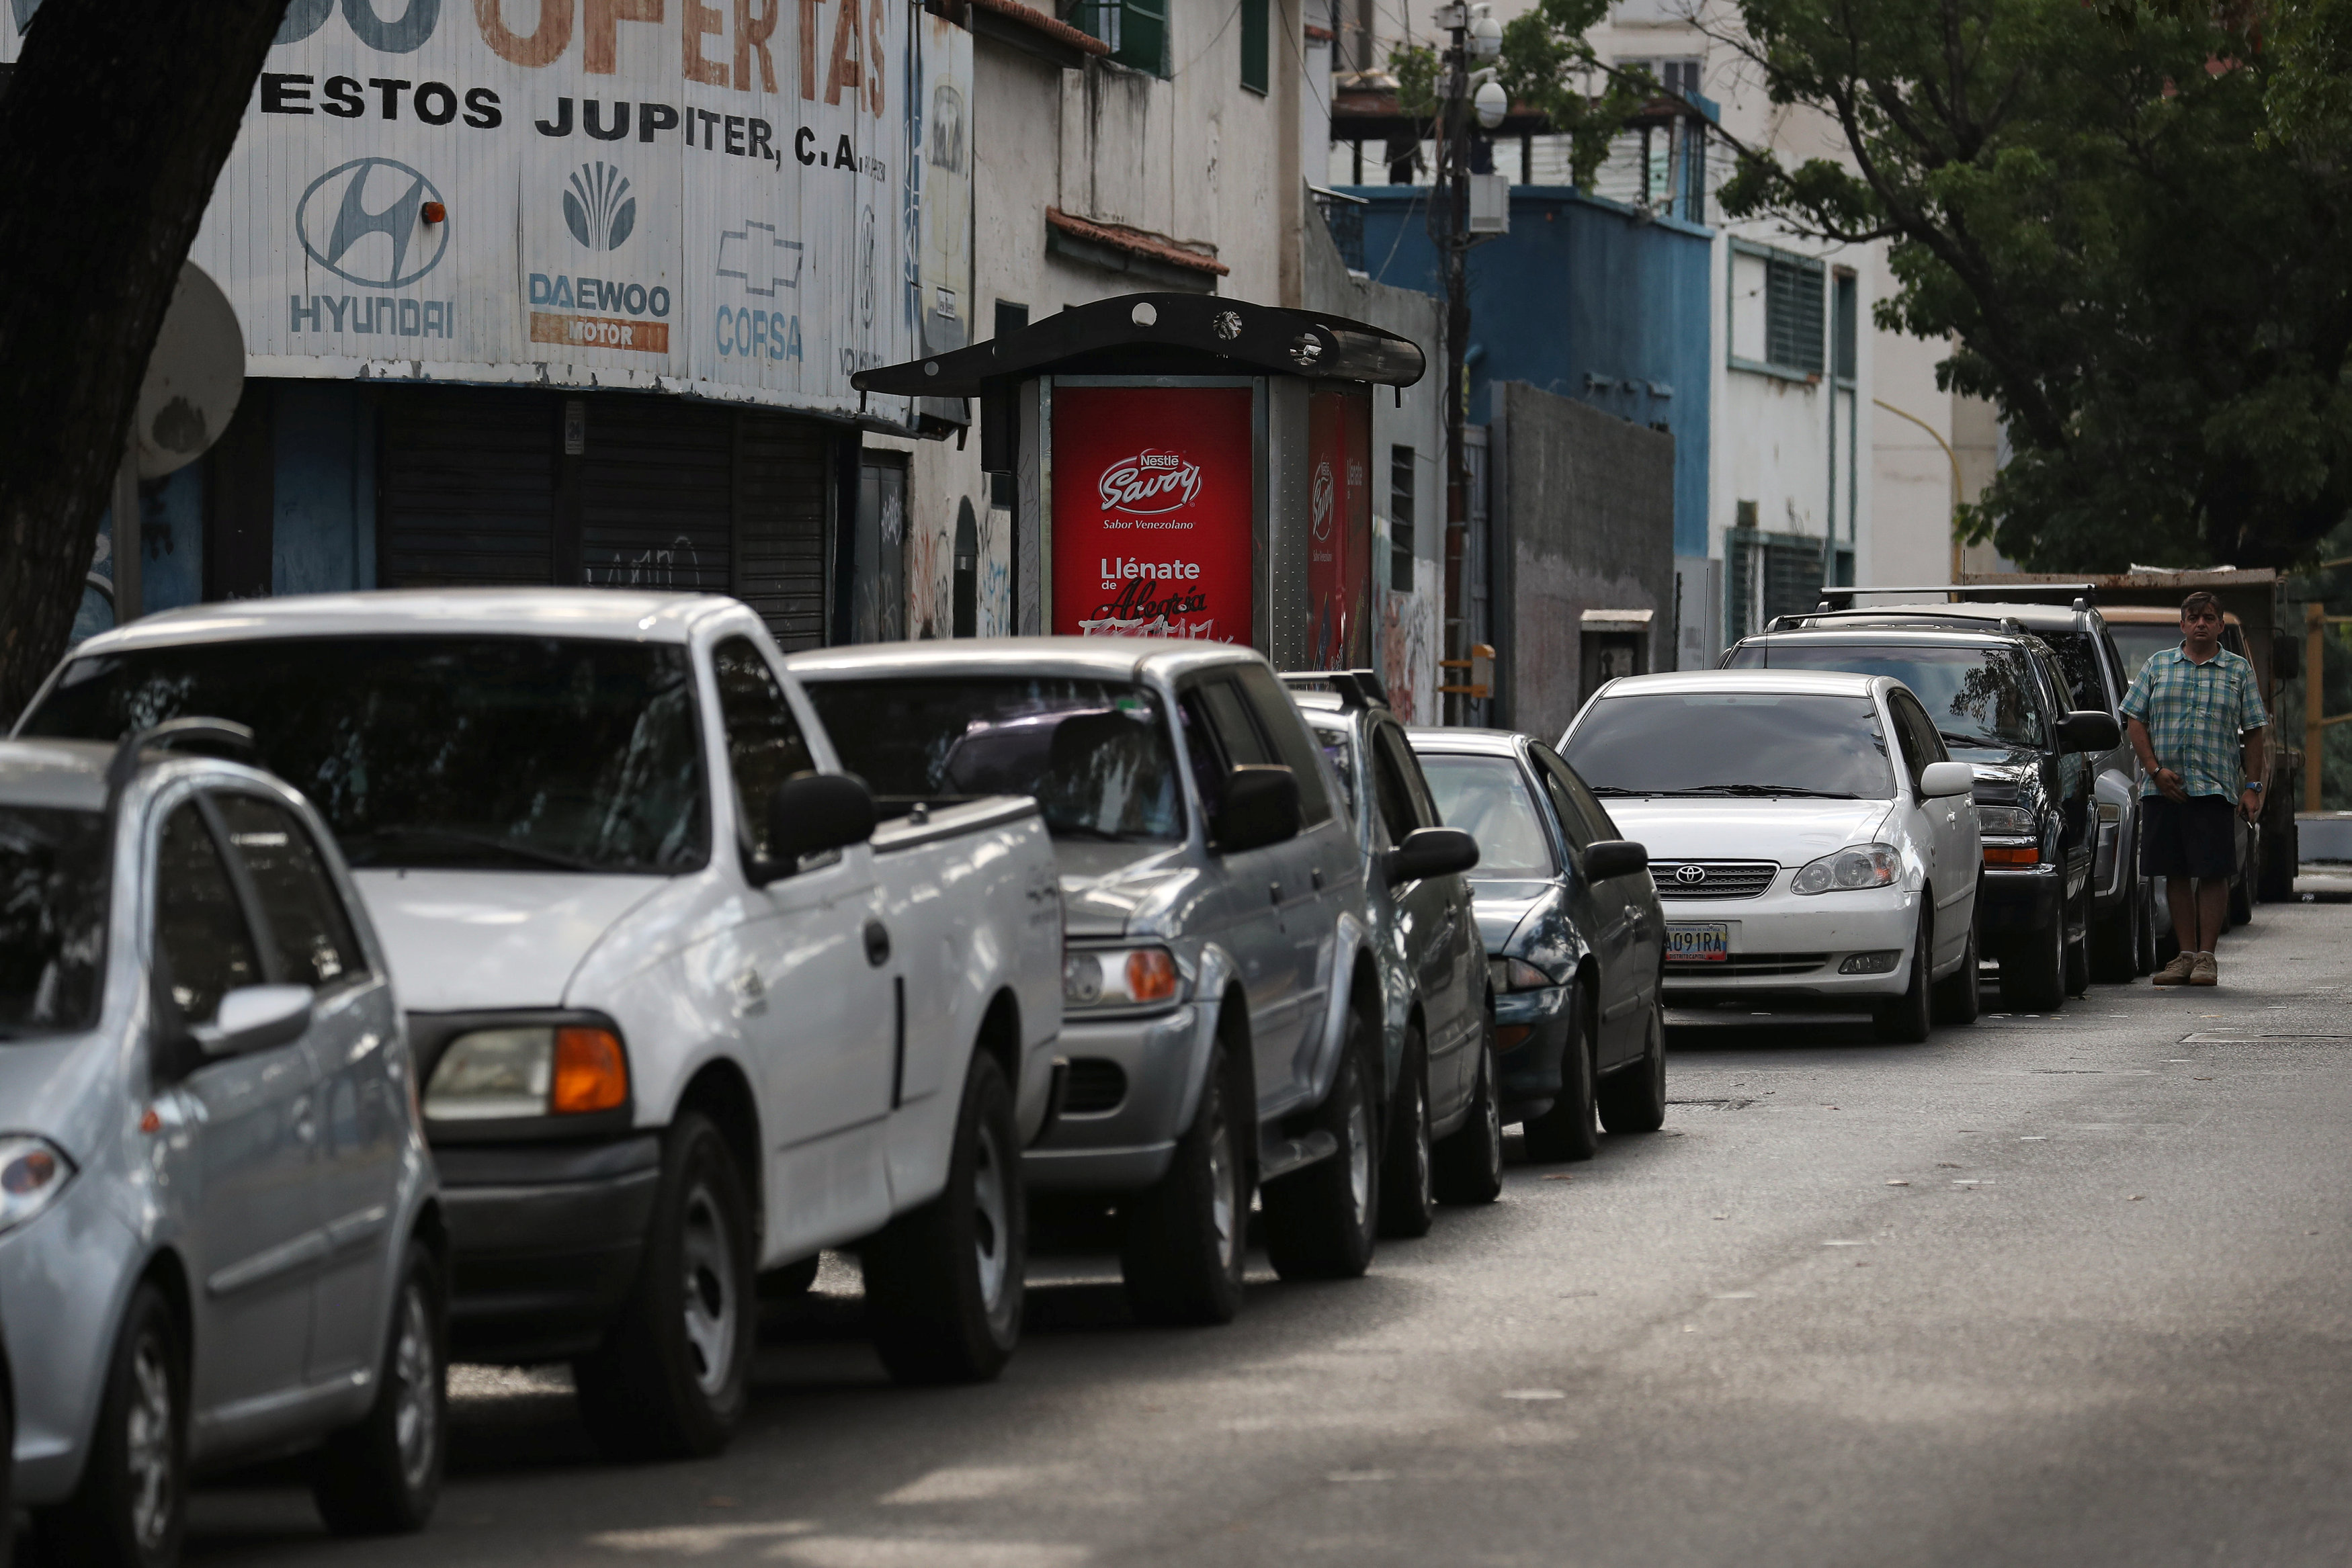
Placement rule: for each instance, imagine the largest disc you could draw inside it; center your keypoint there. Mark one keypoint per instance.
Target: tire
(2145, 897)
(2114, 941)
(1634, 1098)
(382, 1475)
(944, 1283)
(1321, 1222)
(2034, 970)
(1567, 1131)
(131, 1506)
(1185, 1241)
(1955, 999)
(671, 1379)
(1905, 1020)
(2078, 953)
(1470, 1161)
(1408, 1185)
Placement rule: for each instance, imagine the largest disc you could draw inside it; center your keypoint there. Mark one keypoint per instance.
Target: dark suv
(2000, 699)
(2093, 674)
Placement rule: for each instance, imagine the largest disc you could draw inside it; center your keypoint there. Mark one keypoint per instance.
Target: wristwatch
(2256, 785)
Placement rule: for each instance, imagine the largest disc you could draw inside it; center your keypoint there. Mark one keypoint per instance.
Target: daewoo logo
(370, 198)
(1149, 482)
(598, 208)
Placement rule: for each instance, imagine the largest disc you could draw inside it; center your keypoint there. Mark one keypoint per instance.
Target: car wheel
(671, 1378)
(1634, 1098)
(131, 1505)
(944, 1283)
(1185, 1238)
(382, 1475)
(2282, 855)
(1956, 1000)
(2114, 941)
(2078, 953)
(1470, 1160)
(2146, 898)
(1905, 1020)
(1321, 1222)
(1567, 1131)
(2034, 969)
(1408, 1193)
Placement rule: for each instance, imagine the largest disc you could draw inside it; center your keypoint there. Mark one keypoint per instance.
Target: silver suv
(218, 1237)
(1221, 1007)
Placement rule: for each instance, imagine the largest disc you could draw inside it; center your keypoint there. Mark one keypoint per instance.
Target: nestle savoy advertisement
(749, 199)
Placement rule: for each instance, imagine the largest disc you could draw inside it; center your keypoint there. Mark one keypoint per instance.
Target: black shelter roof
(1161, 334)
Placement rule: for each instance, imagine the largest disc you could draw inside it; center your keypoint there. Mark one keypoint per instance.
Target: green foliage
(2105, 212)
(1547, 66)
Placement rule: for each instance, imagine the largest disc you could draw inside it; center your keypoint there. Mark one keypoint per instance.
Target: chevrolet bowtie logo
(370, 197)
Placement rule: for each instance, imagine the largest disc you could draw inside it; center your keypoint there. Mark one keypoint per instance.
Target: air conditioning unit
(1490, 203)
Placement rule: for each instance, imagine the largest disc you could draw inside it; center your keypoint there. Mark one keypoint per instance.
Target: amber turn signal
(591, 1073)
(2002, 855)
(1150, 975)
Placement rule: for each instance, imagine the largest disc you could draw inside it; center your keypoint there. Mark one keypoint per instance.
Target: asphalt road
(2066, 1290)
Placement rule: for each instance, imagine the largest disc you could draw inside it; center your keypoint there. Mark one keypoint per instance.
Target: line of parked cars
(550, 975)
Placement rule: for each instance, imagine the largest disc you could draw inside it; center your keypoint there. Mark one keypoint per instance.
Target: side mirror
(2090, 729)
(1432, 851)
(1940, 779)
(1605, 858)
(1261, 807)
(256, 1018)
(810, 813)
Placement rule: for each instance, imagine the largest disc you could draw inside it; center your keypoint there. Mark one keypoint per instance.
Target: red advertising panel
(1339, 529)
(1153, 492)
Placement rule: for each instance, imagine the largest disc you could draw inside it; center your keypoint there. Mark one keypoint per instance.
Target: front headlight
(2016, 821)
(1101, 978)
(1508, 974)
(542, 1069)
(33, 1171)
(1863, 865)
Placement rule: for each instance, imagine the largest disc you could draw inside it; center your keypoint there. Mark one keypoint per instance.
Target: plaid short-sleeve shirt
(2196, 716)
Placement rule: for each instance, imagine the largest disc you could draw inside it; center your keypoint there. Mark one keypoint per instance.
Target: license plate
(1699, 944)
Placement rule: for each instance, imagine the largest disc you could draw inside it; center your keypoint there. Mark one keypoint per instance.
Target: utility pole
(1471, 32)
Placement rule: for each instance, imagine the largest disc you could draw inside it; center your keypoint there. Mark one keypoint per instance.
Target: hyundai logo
(346, 209)
(598, 208)
(1690, 875)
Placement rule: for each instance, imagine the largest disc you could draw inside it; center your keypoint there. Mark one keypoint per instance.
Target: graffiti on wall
(1409, 646)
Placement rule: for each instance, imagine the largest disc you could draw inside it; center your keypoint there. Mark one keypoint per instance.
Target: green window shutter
(1135, 30)
(1793, 312)
(1255, 75)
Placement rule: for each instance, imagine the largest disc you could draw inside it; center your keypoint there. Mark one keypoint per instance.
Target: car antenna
(170, 732)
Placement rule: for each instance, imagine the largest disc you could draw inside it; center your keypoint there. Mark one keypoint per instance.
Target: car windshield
(1981, 698)
(2140, 641)
(1095, 753)
(53, 882)
(450, 752)
(1734, 744)
(1488, 797)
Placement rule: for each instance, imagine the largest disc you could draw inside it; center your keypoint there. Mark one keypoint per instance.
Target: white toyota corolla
(1813, 844)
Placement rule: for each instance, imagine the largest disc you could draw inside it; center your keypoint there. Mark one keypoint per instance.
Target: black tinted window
(1980, 698)
(1292, 744)
(1391, 742)
(200, 930)
(1393, 794)
(1487, 798)
(2078, 662)
(764, 745)
(53, 884)
(1596, 817)
(530, 753)
(1095, 753)
(310, 934)
(1733, 743)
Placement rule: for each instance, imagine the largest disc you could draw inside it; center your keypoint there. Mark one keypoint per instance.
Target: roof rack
(1356, 689)
(1872, 620)
(173, 732)
(1982, 592)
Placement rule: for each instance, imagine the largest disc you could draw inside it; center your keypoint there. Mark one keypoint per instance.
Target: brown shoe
(2177, 972)
(2204, 973)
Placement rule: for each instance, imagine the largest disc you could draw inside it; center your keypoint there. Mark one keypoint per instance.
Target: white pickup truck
(681, 1011)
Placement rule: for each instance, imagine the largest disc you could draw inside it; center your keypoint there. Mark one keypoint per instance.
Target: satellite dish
(194, 377)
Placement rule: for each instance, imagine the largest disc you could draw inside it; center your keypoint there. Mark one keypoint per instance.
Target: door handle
(1274, 893)
(877, 943)
(1316, 876)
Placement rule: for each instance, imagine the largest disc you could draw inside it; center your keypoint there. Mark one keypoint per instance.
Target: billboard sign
(1154, 511)
(1338, 527)
(740, 199)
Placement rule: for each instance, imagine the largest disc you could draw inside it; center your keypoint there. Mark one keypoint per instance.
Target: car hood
(460, 940)
(56, 1087)
(1502, 906)
(1789, 831)
(1109, 890)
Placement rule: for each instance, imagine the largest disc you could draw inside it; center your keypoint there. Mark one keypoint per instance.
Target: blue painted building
(1582, 298)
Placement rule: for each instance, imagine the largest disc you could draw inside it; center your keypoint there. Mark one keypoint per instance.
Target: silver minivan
(218, 1231)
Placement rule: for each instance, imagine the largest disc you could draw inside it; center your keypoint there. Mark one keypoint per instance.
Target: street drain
(1724, 1104)
(2250, 1036)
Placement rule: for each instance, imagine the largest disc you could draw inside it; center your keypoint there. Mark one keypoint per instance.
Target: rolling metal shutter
(467, 492)
(655, 496)
(783, 503)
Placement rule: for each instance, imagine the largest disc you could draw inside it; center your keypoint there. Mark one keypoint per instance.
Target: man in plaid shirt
(2192, 712)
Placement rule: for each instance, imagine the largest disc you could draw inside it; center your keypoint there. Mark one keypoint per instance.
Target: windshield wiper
(1762, 789)
(1612, 790)
(1089, 831)
(418, 832)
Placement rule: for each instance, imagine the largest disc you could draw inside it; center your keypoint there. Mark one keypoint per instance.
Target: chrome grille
(1719, 878)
